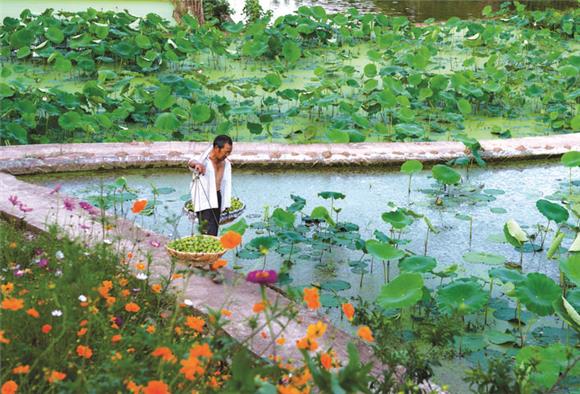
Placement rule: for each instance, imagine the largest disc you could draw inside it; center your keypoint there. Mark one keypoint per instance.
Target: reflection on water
(417, 10)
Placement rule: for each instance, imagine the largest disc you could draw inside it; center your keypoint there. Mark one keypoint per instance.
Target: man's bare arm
(197, 166)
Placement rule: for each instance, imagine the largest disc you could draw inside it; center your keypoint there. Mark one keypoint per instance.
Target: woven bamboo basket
(226, 216)
(195, 259)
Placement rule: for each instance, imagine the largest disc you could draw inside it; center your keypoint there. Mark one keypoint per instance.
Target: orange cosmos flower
(138, 206)
(365, 333)
(125, 292)
(307, 344)
(105, 287)
(3, 339)
(326, 361)
(312, 298)
(259, 307)
(165, 353)
(226, 313)
(33, 312)
(316, 330)
(231, 239)
(10, 387)
(280, 341)
(116, 357)
(150, 329)
(140, 266)
(84, 351)
(21, 370)
(12, 304)
(132, 307)
(46, 328)
(195, 323)
(116, 338)
(156, 288)
(133, 387)
(288, 390)
(156, 387)
(7, 288)
(201, 351)
(348, 311)
(218, 264)
(123, 282)
(56, 376)
(82, 332)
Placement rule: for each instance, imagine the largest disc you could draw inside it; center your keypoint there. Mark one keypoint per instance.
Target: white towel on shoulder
(204, 190)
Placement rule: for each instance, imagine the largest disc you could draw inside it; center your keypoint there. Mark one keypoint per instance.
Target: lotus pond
(307, 77)
(361, 235)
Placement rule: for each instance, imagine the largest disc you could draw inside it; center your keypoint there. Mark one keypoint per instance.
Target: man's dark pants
(209, 219)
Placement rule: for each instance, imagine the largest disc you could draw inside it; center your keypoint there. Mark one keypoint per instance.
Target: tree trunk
(193, 7)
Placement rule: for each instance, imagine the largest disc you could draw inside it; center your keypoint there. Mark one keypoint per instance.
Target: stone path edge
(38, 159)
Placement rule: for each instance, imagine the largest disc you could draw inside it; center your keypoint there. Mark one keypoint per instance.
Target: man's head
(222, 147)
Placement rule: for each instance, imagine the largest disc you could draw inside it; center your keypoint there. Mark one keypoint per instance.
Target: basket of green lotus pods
(196, 250)
(230, 214)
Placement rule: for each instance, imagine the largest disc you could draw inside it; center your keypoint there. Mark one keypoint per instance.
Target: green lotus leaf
(552, 211)
(505, 275)
(200, 113)
(464, 106)
(338, 136)
(483, 258)
(143, 41)
(62, 64)
(69, 120)
(402, 292)
(571, 159)
(335, 285)
(370, 70)
(263, 244)
(332, 195)
(383, 251)
(238, 227)
(283, 218)
(167, 121)
(538, 293)
(571, 268)
(445, 174)
(321, 213)
(54, 34)
(499, 338)
(411, 166)
(6, 90)
(417, 264)
(163, 98)
(462, 297)
(398, 219)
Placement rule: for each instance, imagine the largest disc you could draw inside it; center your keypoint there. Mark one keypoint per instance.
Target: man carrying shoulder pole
(211, 194)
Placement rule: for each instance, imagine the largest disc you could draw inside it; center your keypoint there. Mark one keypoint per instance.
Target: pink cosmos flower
(262, 276)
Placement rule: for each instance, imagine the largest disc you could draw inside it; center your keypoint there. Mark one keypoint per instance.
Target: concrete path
(235, 295)
(34, 159)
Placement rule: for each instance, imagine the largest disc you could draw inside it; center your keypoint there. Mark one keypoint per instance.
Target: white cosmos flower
(188, 302)
(82, 298)
(141, 276)
(59, 255)
(56, 313)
